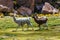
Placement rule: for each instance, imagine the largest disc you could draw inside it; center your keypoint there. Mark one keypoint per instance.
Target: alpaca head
(35, 16)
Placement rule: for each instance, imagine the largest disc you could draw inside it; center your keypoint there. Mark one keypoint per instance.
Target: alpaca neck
(14, 18)
(35, 18)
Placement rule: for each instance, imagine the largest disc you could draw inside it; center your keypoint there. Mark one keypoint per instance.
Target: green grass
(7, 25)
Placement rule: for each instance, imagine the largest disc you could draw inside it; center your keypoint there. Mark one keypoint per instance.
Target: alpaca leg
(46, 26)
(31, 26)
(17, 27)
(27, 27)
(28, 24)
(39, 27)
(22, 28)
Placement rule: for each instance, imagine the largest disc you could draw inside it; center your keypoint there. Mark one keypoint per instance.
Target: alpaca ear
(32, 15)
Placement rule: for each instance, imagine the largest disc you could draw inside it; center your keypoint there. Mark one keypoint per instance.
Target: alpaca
(40, 21)
(22, 21)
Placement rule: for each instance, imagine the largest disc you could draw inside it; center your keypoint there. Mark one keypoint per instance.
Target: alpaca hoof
(52, 28)
(39, 29)
(32, 29)
(47, 29)
(14, 31)
(22, 30)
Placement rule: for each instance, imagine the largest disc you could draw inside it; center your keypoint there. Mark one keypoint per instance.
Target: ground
(7, 26)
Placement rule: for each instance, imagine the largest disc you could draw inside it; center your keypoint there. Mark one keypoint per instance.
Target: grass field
(7, 25)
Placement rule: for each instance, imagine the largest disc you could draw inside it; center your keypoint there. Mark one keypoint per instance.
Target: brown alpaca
(40, 21)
